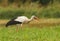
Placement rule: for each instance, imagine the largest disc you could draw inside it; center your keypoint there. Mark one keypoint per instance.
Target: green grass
(51, 11)
(30, 33)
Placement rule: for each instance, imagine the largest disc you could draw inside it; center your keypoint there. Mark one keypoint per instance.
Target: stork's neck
(31, 19)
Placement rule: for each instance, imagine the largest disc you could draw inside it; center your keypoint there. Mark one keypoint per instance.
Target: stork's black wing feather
(12, 22)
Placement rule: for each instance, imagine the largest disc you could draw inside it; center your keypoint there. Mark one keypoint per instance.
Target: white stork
(20, 20)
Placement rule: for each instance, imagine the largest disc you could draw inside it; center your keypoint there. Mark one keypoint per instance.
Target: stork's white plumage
(20, 20)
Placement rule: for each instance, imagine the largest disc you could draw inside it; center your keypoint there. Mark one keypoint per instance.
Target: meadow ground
(45, 30)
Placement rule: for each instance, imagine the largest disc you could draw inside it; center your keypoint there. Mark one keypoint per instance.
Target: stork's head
(35, 17)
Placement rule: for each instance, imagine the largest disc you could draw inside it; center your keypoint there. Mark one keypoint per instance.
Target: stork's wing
(21, 19)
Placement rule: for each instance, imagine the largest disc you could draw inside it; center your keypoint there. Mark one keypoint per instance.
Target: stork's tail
(7, 24)
(12, 23)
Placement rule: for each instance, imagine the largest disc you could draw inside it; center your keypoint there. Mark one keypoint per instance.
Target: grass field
(45, 30)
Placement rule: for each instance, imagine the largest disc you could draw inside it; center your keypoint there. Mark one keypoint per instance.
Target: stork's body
(20, 20)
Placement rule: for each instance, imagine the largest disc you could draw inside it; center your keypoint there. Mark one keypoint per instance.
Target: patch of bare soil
(43, 22)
